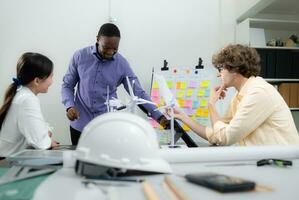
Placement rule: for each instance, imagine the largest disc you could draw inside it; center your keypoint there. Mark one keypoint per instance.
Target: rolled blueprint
(232, 153)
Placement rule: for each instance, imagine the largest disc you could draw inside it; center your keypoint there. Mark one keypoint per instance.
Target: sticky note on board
(186, 128)
(178, 85)
(201, 92)
(155, 85)
(199, 112)
(205, 113)
(156, 100)
(207, 93)
(192, 84)
(180, 94)
(169, 84)
(183, 85)
(155, 93)
(205, 84)
(189, 111)
(181, 103)
(195, 104)
(188, 104)
(189, 92)
(203, 103)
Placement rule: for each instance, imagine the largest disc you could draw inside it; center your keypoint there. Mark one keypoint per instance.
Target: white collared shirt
(258, 115)
(24, 125)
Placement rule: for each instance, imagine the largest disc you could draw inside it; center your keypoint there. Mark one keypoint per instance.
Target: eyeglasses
(220, 69)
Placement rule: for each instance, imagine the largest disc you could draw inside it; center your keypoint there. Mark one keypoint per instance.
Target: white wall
(176, 30)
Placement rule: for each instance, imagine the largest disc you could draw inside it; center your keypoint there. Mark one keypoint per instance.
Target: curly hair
(238, 58)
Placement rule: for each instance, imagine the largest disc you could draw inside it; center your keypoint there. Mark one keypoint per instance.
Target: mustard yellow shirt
(257, 115)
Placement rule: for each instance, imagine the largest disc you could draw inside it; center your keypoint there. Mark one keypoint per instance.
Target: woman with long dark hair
(21, 121)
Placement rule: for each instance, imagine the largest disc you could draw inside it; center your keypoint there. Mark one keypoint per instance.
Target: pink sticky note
(156, 100)
(155, 93)
(192, 84)
(188, 104)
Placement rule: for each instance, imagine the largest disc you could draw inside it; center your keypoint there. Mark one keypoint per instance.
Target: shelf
(294, 109)
(274, 24)
(276, 80)
(271, 47)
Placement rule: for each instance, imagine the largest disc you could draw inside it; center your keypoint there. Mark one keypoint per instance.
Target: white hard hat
(121, 140)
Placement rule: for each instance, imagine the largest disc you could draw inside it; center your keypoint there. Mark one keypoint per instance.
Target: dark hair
(238, 58)
(109, 30)
(29, 66)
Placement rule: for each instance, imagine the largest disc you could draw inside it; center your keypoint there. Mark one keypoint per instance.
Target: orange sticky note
(178, 85)
(205, 113)
(199, 112)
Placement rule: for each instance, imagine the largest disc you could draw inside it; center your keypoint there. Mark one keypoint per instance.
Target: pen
(114, 179)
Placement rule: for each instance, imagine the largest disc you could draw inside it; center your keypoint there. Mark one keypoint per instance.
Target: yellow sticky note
(155, 85)
(205, 113)
(181, 103)
(180, 94)
(205, 84)
(199, 112)
(183, 85)
(203, 103)
(178, 85)
(186, 128)
(189, 92)
(201, 93)
(169, 84)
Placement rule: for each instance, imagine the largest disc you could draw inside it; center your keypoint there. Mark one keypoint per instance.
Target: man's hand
(72, 114)
(54, 143)
(217, 93)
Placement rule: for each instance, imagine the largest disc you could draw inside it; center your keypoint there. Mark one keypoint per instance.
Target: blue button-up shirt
(92, 75)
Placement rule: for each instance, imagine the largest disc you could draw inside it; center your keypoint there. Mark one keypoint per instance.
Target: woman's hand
(177, 113)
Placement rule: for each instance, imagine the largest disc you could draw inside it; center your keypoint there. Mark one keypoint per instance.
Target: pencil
(149, 191)
(179, 194)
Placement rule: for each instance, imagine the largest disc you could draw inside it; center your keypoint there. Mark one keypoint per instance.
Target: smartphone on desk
(220, 182)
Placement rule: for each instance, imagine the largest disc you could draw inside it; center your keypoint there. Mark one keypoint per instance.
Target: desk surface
(282, 180)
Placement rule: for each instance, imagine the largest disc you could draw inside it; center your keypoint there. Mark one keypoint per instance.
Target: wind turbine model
(170, 103)
(135, 100)
(112, 104)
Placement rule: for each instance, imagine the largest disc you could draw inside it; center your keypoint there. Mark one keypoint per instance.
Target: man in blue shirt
(90, 71)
